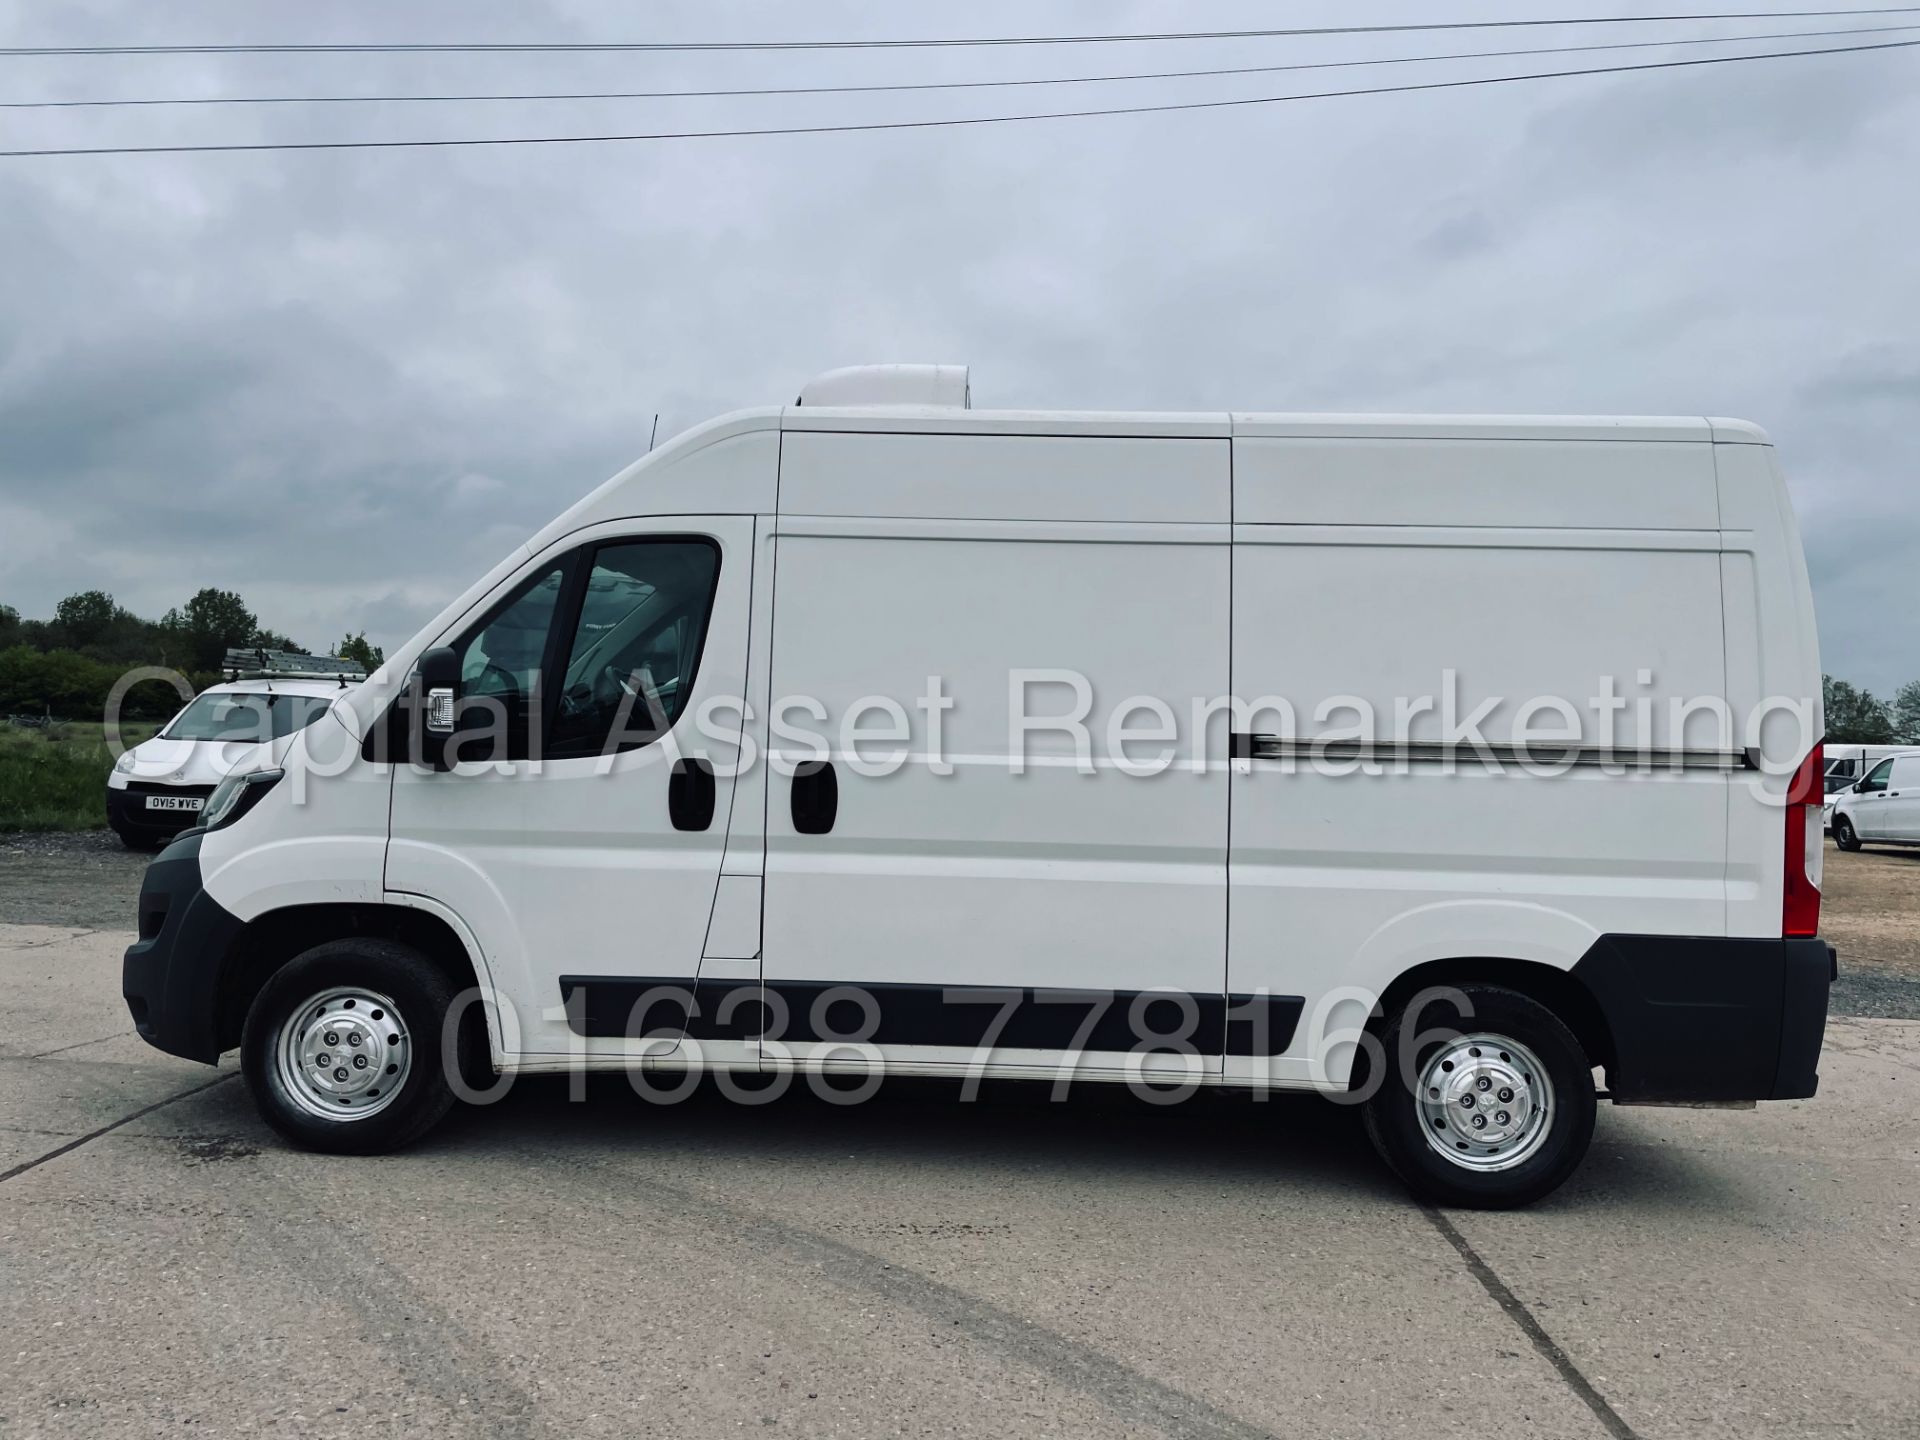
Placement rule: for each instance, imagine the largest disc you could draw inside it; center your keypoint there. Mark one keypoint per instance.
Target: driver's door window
(1877, 781)
(500, 665)
(636, 644)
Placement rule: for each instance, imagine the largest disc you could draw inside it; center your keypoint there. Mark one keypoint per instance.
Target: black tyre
(1496, 1108)
(343, 1047)
(1844, 835)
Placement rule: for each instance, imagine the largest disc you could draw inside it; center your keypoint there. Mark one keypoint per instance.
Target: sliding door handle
(690, 795)
(815, 797)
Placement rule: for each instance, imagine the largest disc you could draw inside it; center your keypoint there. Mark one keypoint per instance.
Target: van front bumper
(1710, 1019)
(131, 819)
(170, 977)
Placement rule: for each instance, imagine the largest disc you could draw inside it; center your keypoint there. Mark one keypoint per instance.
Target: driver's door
(582, 841)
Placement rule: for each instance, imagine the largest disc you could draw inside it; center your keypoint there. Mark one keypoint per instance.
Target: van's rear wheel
(1496, 1107)
(1844, 835)
(343, 1047)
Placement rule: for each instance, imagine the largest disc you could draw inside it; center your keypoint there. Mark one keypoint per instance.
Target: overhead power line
(954, 123)
(783, 90)
(690, 46)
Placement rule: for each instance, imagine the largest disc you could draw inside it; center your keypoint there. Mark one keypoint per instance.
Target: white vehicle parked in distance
(1883, 806)
(777, 753)
(1846, 766)
(159, 787)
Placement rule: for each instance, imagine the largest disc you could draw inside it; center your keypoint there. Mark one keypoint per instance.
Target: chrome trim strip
(1545, 753)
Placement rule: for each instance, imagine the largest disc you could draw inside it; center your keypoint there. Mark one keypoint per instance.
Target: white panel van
(1429, 763)
(1883, 806)
(1847, 766)
(158, 787)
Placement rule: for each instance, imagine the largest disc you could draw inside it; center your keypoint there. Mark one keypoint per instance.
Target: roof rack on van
(250, 662)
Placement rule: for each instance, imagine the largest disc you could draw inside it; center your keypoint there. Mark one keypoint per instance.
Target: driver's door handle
(690, 795)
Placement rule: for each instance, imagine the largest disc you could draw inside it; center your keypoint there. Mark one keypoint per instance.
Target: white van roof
(1226, 424)
(726, 465)
(938, 399)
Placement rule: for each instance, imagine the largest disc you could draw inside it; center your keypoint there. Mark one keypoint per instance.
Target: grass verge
(56, 778)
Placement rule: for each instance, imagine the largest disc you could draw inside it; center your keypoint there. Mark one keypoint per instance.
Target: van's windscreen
(219, 715)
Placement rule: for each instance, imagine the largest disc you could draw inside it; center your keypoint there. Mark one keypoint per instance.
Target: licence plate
(174, 802)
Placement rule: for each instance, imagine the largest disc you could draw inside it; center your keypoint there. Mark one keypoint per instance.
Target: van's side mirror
(437, 686)
(439, 672)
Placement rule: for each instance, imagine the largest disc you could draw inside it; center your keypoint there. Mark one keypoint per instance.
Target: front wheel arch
(381, 1005)
(271, 940)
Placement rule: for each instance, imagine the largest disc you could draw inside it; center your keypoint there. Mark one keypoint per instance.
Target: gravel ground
(1872, 910)
(1876, 994)
(84, 878)
(1871, 913)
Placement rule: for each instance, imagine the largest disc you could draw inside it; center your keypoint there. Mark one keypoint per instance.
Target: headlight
(125, 763)
(236, 795)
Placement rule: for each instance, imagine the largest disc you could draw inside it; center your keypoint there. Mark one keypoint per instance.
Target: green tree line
(1858, 717)
(65, 666)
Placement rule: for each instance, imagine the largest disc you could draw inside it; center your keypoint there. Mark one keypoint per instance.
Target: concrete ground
(610, 1266)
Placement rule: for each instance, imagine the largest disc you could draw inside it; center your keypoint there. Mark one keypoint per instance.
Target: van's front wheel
(1495, 1106)
(343, 1047)
(1844, 835)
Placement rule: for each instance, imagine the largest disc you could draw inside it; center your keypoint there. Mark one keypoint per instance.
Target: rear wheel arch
(1558, 990)
(269, 941)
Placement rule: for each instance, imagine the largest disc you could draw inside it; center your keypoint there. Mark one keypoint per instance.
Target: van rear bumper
(1710, 1018)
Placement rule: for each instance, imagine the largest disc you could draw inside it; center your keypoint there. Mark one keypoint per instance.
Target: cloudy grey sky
(344, 383)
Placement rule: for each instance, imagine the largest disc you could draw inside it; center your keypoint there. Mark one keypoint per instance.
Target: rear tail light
(1805, 849)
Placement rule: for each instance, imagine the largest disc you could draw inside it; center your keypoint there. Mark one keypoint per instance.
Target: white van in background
(881, 734)
(1847, 765)
(157, 788)
(1883, 806)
